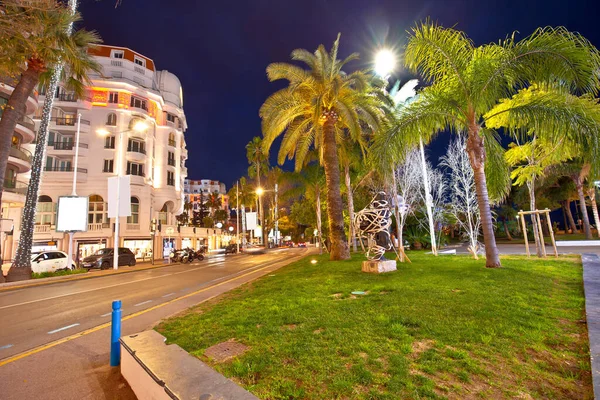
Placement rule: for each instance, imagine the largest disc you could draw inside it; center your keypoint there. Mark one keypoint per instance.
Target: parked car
(231, 248)
(45, 261)
(103, 258)
(255, 249)
(301, 244)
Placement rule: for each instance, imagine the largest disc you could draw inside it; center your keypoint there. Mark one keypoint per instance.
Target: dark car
(103, 258)
(231, 248)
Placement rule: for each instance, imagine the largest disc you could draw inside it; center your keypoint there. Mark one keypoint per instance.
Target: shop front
(46, 245)
(168, 246)
(141, 247)
(186, 243)
(86, 248)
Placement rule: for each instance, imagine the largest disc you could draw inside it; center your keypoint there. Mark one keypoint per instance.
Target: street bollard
(115, 335)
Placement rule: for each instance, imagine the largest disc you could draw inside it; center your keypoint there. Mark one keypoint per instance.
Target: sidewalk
(591, 286)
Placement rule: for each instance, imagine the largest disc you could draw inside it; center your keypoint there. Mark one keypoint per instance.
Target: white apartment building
(130, 90)
(194, 188)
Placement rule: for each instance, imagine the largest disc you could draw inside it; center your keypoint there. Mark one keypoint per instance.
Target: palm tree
(258, 159)
(213, 202)
(578, 172)
(466, 92)
(350, 157)
(321, 107)
(43, 50)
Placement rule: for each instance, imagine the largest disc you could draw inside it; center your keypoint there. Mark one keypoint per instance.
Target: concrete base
(378, 266)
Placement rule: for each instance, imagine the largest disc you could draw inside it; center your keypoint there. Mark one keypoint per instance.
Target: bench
(157, 371)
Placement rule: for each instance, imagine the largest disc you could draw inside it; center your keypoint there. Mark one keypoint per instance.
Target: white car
(45, 261)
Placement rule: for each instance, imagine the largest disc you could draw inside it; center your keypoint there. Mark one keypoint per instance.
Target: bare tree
(407, 178)
(432, 201)
(463, 196)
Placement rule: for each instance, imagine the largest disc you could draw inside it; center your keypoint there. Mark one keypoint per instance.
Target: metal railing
(142, 174)
(138, 150)
(171, 182)
(139, 70)
(27, 123)
(15, 187)
(95, 227)
(64, 169)
(66, 145)
(133, 227)
(42, 228)
(171, 162)
(71, 97)
(21, 154)
(68, 121)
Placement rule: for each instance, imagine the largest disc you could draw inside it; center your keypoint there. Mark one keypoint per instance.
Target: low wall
(160, 372)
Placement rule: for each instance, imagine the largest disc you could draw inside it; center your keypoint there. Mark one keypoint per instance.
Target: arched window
(135, 211)
(111, 119)
(96, 210)
(45, 211)
(172, 139)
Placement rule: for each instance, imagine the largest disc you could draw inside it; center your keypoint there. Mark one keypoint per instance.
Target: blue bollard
(115, 346)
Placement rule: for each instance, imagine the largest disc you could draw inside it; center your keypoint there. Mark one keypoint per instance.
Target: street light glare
(385, 62)
(259, 191)
(102, 132)
(140, 126)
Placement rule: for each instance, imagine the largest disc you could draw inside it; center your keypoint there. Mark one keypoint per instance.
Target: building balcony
(26, 128)
(171, 163)
(64, 174)
(43, 228)
(14, 192)
(20, 158)
(68, 125)
(96, 228)
(69, 101)
(132, 227)
(172, 143)
(67, 148)
(139, 180)
(7, 85)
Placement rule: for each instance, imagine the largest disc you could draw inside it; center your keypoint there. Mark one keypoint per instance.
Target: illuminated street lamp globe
(219, 225)
(231, 229)
(385, 62)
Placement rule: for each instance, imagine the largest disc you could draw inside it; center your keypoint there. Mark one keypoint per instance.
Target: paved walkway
(591, 285)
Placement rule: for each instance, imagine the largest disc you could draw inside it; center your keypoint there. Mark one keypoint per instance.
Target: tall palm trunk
(339, 248)
(352, 236)
(399, 218)
(506, 231)
(532, 207)
(582, 207)
(476, 151)
(318, 208)
(570, 217)
(592, 196)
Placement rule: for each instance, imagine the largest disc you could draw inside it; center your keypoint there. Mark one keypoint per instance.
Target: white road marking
(62, 329)
(107, 314)
(143, 302)
(98, 288)
(6, 347)
(170, 294)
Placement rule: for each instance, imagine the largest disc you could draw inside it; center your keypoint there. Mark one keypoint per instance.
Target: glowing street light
(385, 62)
(260, 191)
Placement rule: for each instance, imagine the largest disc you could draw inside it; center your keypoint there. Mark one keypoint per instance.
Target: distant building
(197, 192)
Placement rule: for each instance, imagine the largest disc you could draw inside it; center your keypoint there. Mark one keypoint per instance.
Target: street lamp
(260, 191)
(385, 62)
(140, 127)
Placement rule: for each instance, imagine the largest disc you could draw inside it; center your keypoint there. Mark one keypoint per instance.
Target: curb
(591, 288)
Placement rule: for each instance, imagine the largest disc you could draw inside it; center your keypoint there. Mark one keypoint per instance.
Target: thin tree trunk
(564, 213)
(570, 217)
(476, 151)
(532, 207)
(339, 248)
(428, 201)
(584, 215)
(592, 196)
(506, 231)
(399, 223)
(352, 238)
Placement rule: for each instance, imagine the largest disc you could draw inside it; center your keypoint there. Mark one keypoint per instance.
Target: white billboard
(124, 190)
(250, 220)
(72, 214)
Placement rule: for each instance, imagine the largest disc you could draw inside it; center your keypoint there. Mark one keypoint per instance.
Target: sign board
(6, 225)
(51, 243)
(72, 214)
(251, 220)
(170, 231)
(119, 191)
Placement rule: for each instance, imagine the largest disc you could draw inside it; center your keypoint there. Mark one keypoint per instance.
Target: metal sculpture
(374, 221)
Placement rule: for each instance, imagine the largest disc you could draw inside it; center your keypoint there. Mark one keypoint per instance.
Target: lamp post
(259, 192)
(139, 126)
(237, 215)
(74, 191)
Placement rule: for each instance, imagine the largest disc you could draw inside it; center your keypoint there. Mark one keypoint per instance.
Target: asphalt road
(39, 315)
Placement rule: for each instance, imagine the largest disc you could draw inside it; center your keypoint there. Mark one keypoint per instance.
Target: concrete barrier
(160, 372)
(577, 243)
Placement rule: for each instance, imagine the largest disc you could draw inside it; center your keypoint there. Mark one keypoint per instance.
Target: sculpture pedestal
(378, 266)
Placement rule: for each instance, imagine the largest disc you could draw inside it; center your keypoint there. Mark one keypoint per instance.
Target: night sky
(220, 49)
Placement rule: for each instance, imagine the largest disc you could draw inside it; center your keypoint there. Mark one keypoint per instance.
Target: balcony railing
(71, 97)
(138, 150)
(97, 226)
(68, 121)
(172, 143)
(142, 174)
(139, 70)
(171, 162)
(133, 227)
(65, 169)
(21, 154)
(15, 187)
(66, 145)
(171, 182)
(27, 123)
(42, 228)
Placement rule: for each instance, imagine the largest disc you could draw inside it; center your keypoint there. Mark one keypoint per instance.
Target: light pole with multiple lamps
(140, 127)
(259, 192)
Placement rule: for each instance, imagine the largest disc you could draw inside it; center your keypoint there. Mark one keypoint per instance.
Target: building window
(172, 139)
(171, 159)
(109, 142)
(113, 97)
(171, 117)
(111, 119)
(138, 103)
(135, 169)
(44, 211)
(139, 61)
(134, 218)
(117, 54)
(137, 146)
(96, 210)
(108, 165)
(170, 178)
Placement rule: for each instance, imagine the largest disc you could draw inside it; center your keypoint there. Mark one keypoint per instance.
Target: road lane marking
(170, 294)
(8, 346)
(47, 346)
(143, 302)
(63, 328)
(95, 289)
(107, 314)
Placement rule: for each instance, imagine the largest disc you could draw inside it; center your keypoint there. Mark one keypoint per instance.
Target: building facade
(197, 191)
(128, 94)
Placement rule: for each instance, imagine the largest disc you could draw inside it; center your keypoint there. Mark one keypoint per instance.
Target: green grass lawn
(38, 275)
(441, 327)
